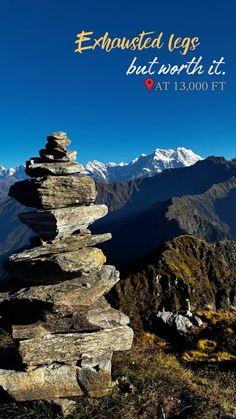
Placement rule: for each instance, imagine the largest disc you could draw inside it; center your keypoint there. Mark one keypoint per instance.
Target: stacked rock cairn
(64, 330)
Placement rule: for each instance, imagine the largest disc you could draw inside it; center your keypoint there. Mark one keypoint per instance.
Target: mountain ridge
(140, 208)
(183, 269)
(142, 166)
(141, 212)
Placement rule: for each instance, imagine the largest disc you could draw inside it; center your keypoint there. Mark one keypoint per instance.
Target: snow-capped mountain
(16, 173)
(143, 166)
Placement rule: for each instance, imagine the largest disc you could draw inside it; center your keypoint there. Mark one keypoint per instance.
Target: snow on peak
(142, 166)
(17, 172)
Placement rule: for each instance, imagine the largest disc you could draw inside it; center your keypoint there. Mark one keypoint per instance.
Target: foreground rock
(37, 168)
(58, 267)
(42, 383)
(75, 347)
(62, 221)
(65, 297)
(62, 244)
(178, 323)
(52, 191)
(63, 330)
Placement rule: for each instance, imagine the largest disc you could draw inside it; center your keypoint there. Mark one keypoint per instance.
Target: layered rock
(59, 222)
(54, 191)
(63, 329)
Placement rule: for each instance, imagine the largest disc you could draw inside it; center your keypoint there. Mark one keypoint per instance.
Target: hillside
(139, 209)
(184, 268)
(132, 197)
(210, 216)
(14, 235)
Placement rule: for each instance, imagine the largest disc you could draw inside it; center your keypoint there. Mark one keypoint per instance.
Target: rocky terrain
(182, 275)
(62, 330)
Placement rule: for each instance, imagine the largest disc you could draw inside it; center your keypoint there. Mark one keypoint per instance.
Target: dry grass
(151, 384)
(215, 316)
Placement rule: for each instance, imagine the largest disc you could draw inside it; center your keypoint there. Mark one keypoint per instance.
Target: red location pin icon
(149, 82)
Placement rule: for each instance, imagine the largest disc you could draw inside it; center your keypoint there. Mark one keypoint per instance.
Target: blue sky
(46, 86)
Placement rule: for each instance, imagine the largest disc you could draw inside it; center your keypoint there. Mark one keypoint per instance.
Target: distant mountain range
(197, 200)
(143, 166)
(144, 213)
(16, 173)
(10, 176)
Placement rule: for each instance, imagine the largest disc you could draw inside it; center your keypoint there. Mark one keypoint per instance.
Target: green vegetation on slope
(181, 269)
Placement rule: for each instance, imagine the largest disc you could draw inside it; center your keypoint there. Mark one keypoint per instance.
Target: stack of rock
(64, 329)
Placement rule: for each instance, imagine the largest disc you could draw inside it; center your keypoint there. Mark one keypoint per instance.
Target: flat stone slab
(56, 381)
(91, 318)
(41, 383)
(35, 167)
(58, 139)
(71, 347)
(57, 267)
(69, 156)
(61, 245)
(54, 191)
(67, 296)
(62, 221)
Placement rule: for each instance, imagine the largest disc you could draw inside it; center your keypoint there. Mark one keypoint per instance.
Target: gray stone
(54, 191)
(57, 135)
(54, 382)
(95, 317)
(179, 323)
(57, 152)
(62, 221)
(55, 142)
(56, 267)
(72, 347)
(68, 156)
(66, 297)
(42, 383)
(35, 167)
(61, 245)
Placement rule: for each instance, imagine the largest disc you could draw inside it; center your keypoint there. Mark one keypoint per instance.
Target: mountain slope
(210, 216)
(8, 177)
(143, 166)
(14, 234)
(150, 211)
(185, 268)
(139, 194)
(158, 210)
